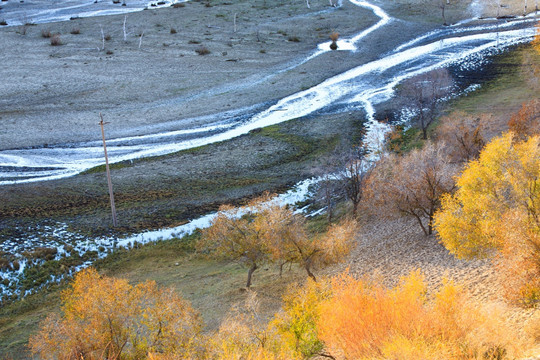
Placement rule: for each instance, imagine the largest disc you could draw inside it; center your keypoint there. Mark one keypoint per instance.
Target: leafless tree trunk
(140, 39)
(354, 176)
(442, 5)
(424, 92)
(102, 38)
(250, 274)
(124, 29)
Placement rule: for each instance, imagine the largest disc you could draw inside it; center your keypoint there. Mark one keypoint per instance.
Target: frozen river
(359, 89)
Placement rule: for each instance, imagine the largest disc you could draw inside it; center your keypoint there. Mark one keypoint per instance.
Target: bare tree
(412, 185)
(442, 5)
(464, 135)
(423, 94)
(328, 189)
(353, 176)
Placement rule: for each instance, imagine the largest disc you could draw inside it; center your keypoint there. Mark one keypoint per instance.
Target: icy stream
(359, 89)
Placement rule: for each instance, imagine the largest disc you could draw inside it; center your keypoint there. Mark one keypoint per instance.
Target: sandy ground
(390, 249)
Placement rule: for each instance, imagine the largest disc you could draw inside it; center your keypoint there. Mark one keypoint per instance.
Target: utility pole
(111, 194)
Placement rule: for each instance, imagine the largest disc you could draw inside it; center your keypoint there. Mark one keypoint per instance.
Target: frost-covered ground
(45, 11)
(361, 88)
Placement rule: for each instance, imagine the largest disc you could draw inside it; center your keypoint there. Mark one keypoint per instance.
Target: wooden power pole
(111, 194)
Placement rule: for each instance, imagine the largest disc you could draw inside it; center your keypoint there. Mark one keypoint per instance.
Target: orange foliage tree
(463, 135)
(526, 122)
(412, 184)
(365, 320)
(107, 318)
(265, 231)
(239, 234)
(289, 241)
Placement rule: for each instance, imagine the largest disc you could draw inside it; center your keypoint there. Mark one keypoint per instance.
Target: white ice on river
(360, 88)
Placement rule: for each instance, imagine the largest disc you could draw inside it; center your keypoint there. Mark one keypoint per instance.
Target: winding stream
(361, 89)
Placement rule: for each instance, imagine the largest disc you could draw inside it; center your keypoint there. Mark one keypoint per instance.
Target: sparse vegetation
(46, 33)
(173, 31)
(334, 36)
(202, 50)
(75, 31)
(55, 40)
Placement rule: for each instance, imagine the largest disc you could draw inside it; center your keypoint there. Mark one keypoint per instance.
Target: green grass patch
(507, 89)
(405, 140)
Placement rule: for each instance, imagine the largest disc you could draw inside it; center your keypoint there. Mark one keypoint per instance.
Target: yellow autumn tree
(245, 334)
(107, 318)
(265, 231)
(296, 324)
(496, 210)
(289, 240)
(239, 234)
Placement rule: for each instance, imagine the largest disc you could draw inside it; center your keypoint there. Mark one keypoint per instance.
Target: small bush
(402, 323)
(46, 33)
(55, 40)
(3, 22)
(193, 42)
(293, 39)
(334, 36)
(202, 51)
(4, 263)
(107, 37)
(178, 5)
(173, 31)
(42, 253)
(75, 31)
(109, 52)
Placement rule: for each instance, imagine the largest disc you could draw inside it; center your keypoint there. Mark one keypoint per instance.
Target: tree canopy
(497, 207)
